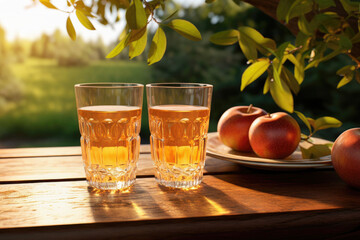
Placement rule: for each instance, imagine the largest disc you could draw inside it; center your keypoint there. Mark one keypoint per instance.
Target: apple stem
(249, 108)
(269, 114)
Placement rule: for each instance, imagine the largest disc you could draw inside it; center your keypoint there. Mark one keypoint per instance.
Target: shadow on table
(129, 204)
(320, 185)
(203, 198)
(148, 200)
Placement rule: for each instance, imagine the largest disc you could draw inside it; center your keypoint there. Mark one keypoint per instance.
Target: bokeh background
(39, 66)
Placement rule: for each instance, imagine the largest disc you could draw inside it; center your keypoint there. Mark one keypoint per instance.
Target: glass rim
(108, 85)
(179, 85)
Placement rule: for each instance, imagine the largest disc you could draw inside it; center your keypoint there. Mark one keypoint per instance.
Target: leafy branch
(82, 13)
(322, 34)
(314, 125)
(138, 16)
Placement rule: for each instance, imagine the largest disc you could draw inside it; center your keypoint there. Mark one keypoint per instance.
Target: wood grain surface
(45, 197)
(63, 203)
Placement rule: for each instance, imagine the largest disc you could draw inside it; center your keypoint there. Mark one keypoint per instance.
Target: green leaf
(276, 67)
(157, 47)
(136, 34)
(325, 3)
(304, 119)
(248, 47)
(254, 71)
(311, 121)
(326, 122)
(304, 26)
(281, 94)
(228, 37)
(346, 69)
(85, 10)
(280, 51)
(264, 45)
(267, 85)
(210, 1)
(327, 22)
(117, 50)
(302, 40)
(185, 29)
(48, 4)
(346, 79)
(84, 20)
(298, 67)
(290, 80)
(124, 32)
(298, 8)
(70, 29)
(137, 47)
(135, 15)
(350, 6)
(171, 15)
(348, 74)
(315, 150)
(345, 42)
(304, 136)
(282, 9)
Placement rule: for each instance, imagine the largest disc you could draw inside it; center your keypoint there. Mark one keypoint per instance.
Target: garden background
(37, 76)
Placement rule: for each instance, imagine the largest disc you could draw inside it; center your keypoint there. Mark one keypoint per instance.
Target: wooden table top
(43, 194)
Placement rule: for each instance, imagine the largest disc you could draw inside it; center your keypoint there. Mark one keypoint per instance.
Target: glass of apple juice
(179, 121)
(109, 117)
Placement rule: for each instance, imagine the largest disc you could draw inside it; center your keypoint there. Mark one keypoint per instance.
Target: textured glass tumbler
(179, 120)
(109, 121)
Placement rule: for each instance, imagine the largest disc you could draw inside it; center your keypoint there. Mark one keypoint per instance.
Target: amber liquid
(178, 141)
(110, 144)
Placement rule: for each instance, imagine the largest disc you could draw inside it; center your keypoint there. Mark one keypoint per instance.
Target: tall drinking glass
(179, 120)
(109, 121)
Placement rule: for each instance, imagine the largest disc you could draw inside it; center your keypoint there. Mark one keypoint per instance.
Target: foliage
(323, 34)
(314, 125)
(78, 53)
(10, 88)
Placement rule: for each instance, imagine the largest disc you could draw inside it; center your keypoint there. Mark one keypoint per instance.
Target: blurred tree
(42, 47)
(10, 88)
(99, 48)
(67, 52)
(18, 51)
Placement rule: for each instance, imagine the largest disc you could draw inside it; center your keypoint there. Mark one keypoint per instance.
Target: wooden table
(44, 195)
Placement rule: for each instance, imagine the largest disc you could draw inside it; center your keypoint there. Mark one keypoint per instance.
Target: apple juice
(178, 141)
(110, 144)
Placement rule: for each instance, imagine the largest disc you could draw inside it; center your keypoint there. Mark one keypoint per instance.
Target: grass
(46, 114)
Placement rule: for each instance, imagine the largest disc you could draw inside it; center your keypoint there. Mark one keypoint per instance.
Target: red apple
(274, 135)
(233, 126)
(345, 155)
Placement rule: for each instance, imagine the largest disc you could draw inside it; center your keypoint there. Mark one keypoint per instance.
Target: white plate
(216, 149)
